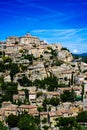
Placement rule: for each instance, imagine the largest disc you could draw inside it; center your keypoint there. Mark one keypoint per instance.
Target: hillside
(39, 83)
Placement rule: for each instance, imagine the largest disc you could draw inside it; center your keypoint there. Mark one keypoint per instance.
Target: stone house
(12, 40)
(27, 108)
(52, 94)
(7, 78)
(6, 103)
(32, 97)
(66, 73)
(43, 115)
(11, 109)
(34, 113)
(2, 114)
(28, 39)
(21, 95)
(15, 98)
(53, 115)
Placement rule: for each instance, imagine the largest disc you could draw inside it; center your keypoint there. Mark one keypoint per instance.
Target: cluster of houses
(32, 45)
(64, 110)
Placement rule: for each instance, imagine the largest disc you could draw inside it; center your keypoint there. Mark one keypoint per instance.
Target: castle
(30, 43)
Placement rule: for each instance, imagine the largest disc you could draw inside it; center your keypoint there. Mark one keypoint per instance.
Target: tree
(68, 96)
(45, 102)
(40, 109)
(69, 123)
(39, 94)
(23, 67)
(27, 122)
(2, 82)
(2, 126)
(25, 82)
(82, 92)
(72, 78)
(14, 69)
(45, 127)
(10, 89)
(72, 96)
(44, 120)
(2, 67)
(52, 82)
(54, 101)
(54, 53)
(26, 95)
(82, 117)
(12, 121)
(1, 53)
(6, 59)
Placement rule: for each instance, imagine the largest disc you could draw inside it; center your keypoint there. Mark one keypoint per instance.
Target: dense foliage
(25, 81)
(68, 96)
(2, 126)
(23, 122)
(69, 123)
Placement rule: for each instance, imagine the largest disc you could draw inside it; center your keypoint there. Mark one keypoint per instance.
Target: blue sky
(55, 21)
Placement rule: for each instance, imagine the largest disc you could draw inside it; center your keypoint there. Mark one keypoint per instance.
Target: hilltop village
(40, 79)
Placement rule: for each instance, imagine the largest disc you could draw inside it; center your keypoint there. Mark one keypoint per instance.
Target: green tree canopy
(2, 126)
(69, 123)
(14, 69)
(25, 82)
(27, 122)
(10, 89)
(69, 96)
(54, 101)
(12, 120)
(82, 117)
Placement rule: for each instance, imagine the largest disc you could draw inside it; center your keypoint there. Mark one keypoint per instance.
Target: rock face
(64, 55)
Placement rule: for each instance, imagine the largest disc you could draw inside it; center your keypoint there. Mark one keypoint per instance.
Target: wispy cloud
(71, 38)
(46, 8)
(66, 33)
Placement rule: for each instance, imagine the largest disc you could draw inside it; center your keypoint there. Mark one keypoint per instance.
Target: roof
(28, 106)
(21, 93)
(32, 112)
(67, 72)
(4, 104)
(11, 108)
(65, 89)
(43, 113)
(52, 93)
(70, 88)
(32, 93)
(55, 113)
(28, 36)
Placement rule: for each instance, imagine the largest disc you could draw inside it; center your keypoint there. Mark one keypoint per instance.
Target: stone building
(12, 40)
(28, 39)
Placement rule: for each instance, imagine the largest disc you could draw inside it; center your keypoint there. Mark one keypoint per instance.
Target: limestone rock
(64, 55)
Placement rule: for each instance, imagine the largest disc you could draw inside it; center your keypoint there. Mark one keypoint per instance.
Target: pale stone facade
(29, 39)
(12, 40)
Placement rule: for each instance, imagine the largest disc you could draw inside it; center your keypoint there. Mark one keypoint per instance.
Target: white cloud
(75, 51)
